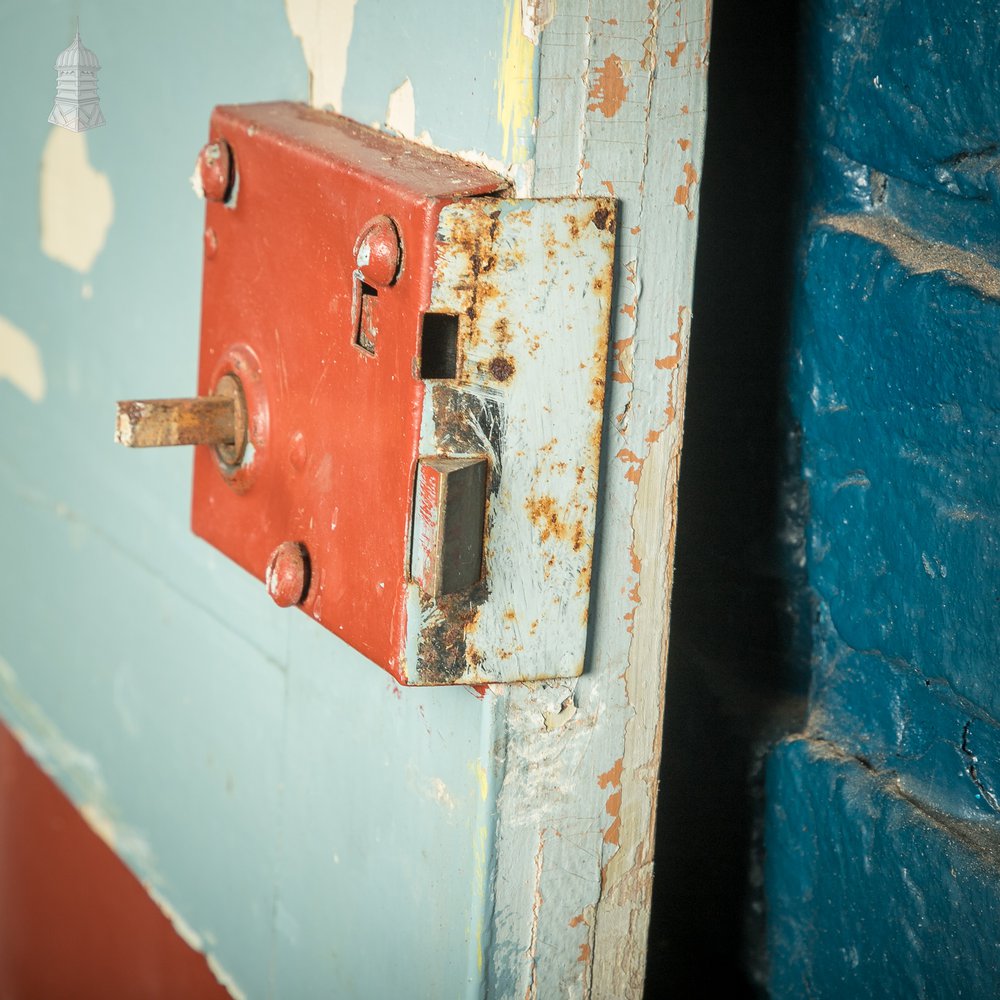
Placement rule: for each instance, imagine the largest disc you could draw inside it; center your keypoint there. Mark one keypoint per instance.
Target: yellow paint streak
(481, 779)
(479, 888)
(515, 85)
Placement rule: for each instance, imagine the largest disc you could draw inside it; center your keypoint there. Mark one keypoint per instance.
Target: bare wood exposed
(622, 98)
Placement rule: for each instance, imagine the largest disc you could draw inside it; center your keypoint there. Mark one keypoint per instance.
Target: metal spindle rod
(156, 423)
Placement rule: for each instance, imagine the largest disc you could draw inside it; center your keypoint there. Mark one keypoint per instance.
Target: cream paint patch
(21, 361)
(401, 111)
(77, 206)
(324, 28)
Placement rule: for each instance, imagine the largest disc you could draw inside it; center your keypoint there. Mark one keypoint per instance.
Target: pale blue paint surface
(450, 53)
(322, 833)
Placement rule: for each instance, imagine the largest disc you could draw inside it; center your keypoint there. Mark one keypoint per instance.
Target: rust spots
(502, 367)
(475, 239)
(604, 218)
(596, 399)
(682, 196)
(635, 230)
(544, 513)
(685, 144)
(610, 186)
(608, 88)
(577, 920)
(584, 952)
(446, 651)
(675, 53)
(501, 330)
(510, 615)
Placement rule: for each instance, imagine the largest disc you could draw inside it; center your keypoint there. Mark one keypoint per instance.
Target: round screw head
(378, 252)
(287, 576)
(215, 170)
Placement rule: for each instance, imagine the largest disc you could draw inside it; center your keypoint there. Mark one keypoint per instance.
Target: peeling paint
(21, 361)
(608, 89)
(76, 203)
(527, 334)
(401, 111)
(324, 28)
(682, 196)
(516, 87)
(553, 720)
(609, 754)
(675, 53)
(535, 15)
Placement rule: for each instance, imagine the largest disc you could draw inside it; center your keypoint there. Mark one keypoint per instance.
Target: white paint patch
(441, 794)
(225, 979)
(76, 202)
(324, 28)
(535, 15)
(401, 111)
(181, 927)
(21, 361)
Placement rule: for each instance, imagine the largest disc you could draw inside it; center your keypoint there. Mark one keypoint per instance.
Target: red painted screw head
(215, 170)
(287, 575)
(378, 251)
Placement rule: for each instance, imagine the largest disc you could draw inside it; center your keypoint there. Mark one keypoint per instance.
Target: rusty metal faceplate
(422, 369)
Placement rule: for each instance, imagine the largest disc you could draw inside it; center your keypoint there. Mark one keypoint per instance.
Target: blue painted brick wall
(883, 817)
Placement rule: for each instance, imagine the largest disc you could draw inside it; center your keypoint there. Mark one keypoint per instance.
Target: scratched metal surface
(531, 399)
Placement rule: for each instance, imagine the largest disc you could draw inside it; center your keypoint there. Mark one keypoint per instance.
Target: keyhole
(377, 259)
(365, 330)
